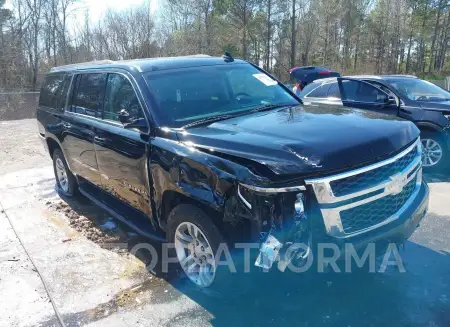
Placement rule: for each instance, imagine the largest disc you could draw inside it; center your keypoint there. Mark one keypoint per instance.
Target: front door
(122, 153)
(363, 95)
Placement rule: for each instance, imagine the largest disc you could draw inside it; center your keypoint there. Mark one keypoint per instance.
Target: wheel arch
(52, 145)
(171, 199)
(428, 127)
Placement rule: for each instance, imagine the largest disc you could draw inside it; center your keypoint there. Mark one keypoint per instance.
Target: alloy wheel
(431, 152)
(61, 175)
(195, 254)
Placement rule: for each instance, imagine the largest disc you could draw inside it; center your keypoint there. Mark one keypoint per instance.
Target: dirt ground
(20, 147)
(84, 256)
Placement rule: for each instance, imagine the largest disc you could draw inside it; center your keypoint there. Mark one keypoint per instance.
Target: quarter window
(51, 89)
(320, 92)
(120, 95)
(334, 92)
(88, 96)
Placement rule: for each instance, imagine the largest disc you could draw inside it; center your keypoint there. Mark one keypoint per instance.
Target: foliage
(350, 36)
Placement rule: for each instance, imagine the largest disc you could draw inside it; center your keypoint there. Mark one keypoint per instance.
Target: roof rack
(83, 64)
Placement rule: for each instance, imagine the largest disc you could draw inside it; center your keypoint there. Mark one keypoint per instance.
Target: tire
(179, 225)
(65, 180)
(435, 151)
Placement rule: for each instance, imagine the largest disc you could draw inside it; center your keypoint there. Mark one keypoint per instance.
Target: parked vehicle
(408, 97)
(201, 150)
(309, 74)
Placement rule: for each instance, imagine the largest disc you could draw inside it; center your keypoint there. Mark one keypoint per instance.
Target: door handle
(99, 139)
(67, 125)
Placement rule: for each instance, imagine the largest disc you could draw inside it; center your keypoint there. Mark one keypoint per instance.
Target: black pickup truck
(201, 150)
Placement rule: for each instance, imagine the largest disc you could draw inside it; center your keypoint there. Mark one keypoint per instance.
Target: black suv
(202, 150)
(408, 97)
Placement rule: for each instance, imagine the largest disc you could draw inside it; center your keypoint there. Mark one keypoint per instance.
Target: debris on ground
(98, 227)
(110, 224)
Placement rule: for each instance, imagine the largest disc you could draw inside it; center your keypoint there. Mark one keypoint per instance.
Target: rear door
(82, 115)
(122, 153)
(363, 95)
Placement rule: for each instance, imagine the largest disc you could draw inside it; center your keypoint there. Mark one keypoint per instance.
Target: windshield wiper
(209, 120)
(272, 106)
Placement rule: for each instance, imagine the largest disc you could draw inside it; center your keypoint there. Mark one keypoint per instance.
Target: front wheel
(196, 240)
(434, 153)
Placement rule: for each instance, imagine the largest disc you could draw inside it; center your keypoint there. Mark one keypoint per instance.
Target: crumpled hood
(305, 140)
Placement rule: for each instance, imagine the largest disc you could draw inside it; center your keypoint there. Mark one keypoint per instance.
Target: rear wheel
(434, 154)
(65, 180)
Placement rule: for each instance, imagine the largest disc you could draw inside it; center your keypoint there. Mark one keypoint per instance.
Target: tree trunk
(293, 35)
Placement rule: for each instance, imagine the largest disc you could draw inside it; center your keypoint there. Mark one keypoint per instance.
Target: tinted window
(334, 92)
(50, 91)
(362, 91)
(187, 95)
(88, 94)
(120, 95)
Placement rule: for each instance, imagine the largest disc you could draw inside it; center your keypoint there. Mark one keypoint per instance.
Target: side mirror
(139, 123)
(390, 100)
(124, 116)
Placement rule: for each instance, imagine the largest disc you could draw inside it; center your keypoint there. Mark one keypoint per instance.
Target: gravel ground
(98, 283)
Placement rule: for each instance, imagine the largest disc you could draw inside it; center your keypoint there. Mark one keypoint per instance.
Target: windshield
(419, 90)
(188, 95)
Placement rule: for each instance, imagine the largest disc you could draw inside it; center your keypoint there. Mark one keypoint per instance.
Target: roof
(381, 77)
(149, 64)
(367, 77)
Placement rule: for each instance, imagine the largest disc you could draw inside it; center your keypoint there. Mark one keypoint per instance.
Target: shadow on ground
(418, 297)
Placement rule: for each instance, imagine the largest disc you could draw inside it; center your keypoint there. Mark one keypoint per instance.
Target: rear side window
(51, 90)
(88, 94)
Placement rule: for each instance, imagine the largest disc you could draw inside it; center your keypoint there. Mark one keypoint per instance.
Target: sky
(98, 7)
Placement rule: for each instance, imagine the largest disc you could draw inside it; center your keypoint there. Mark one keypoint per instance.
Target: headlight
(299, 206)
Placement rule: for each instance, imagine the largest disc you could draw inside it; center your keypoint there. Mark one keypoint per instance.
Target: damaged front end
(279, 222)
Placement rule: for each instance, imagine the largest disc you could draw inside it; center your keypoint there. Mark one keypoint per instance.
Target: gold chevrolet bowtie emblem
(398, 182)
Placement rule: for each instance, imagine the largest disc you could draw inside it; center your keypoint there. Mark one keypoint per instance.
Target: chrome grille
(358, 201)
(372, 177)
(375, 212)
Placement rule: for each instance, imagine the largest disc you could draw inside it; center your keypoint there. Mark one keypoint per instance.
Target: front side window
(419, 90)
(192, 94)
(88, 94)
(362, 92)
(120, 95)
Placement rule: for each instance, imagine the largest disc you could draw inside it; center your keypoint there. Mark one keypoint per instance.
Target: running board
(123, 219)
